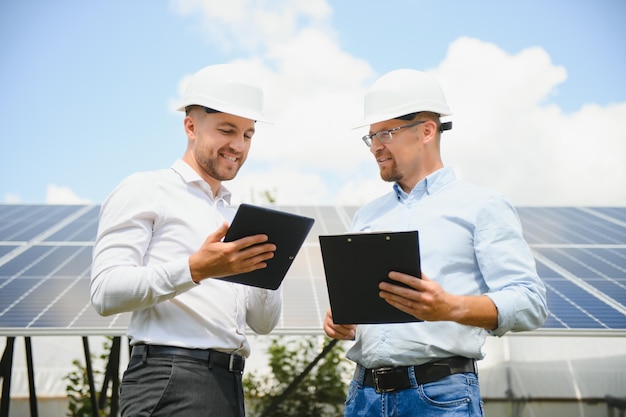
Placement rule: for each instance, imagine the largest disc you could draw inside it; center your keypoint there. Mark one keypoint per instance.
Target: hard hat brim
(225, 108)
(401, 111)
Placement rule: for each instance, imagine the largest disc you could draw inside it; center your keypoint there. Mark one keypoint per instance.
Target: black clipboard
(286, 230)
(356, 263)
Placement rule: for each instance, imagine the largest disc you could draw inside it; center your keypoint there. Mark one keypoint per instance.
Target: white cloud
(288, 187)
(12, 198)
(250, 24)
(506, 133)
(63, 195)
(507, 136)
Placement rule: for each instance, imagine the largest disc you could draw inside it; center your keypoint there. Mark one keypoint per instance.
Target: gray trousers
(181, 387)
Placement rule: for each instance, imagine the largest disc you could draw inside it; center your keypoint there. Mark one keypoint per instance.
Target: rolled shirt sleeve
(508, 267)
(264, 308)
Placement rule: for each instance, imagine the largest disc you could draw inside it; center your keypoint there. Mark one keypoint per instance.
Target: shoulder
(478, 205)
(141, 180)
(140, 186)
(472, 195)
(488, 207)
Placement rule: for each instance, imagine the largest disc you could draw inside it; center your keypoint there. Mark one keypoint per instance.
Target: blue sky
(88, 91)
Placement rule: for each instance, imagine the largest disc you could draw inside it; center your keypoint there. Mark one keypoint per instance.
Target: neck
(424, 171)
(213, 183)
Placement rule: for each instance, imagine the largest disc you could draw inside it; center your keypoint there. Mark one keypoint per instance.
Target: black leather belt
(391, 379)
(230, 361)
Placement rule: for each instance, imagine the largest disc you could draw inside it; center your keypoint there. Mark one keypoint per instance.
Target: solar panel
(25, 222)
(571, 225)
(4, 249)
(45, 258)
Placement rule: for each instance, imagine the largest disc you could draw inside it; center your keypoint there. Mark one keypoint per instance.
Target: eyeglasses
(385, 136)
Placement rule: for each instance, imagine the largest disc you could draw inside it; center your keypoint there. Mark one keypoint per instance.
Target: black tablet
(355, 264)
(286, 230)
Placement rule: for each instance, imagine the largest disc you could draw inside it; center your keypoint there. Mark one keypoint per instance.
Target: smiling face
(412, 154)
(218, 144)
(399, 159)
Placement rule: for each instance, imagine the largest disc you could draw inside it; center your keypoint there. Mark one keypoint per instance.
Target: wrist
(196, 276)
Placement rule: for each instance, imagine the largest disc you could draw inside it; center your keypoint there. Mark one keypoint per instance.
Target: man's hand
(338, 331)
(217, 259)
(426, 300)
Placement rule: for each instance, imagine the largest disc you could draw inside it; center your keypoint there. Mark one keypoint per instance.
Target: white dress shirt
(149, 226)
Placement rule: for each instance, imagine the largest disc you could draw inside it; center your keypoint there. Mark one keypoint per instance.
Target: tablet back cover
(286, 230)
(356, 263)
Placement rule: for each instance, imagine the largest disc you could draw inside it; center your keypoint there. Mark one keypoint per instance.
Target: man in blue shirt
(478, 273)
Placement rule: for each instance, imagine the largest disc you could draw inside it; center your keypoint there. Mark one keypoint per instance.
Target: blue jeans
(181, 387)
(453, 396)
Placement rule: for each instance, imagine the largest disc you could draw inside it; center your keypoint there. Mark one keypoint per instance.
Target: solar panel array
(581, 256)
(45, 257)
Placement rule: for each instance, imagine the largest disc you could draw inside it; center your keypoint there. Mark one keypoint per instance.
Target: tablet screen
(286, 230)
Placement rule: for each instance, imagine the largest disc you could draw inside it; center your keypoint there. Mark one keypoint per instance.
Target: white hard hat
(401, 92)
(227, 88)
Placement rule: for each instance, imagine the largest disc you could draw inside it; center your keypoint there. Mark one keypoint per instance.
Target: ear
(190, 127)
(430, 131)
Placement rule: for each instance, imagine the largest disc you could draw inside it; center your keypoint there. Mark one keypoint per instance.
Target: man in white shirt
(159, 248)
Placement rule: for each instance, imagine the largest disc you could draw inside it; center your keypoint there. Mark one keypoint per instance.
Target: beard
(390, 174)
(213, 168)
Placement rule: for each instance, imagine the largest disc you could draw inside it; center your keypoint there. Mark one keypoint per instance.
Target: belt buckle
(236, 363)
(376, 373)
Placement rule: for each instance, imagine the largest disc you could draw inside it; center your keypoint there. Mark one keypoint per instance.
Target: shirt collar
(429, 185)
(189, 175)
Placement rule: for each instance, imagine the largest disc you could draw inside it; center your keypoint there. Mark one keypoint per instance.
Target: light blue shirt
(471, 243)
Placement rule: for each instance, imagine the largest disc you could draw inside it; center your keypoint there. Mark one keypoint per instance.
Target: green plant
(320, 393)
(77, 388)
